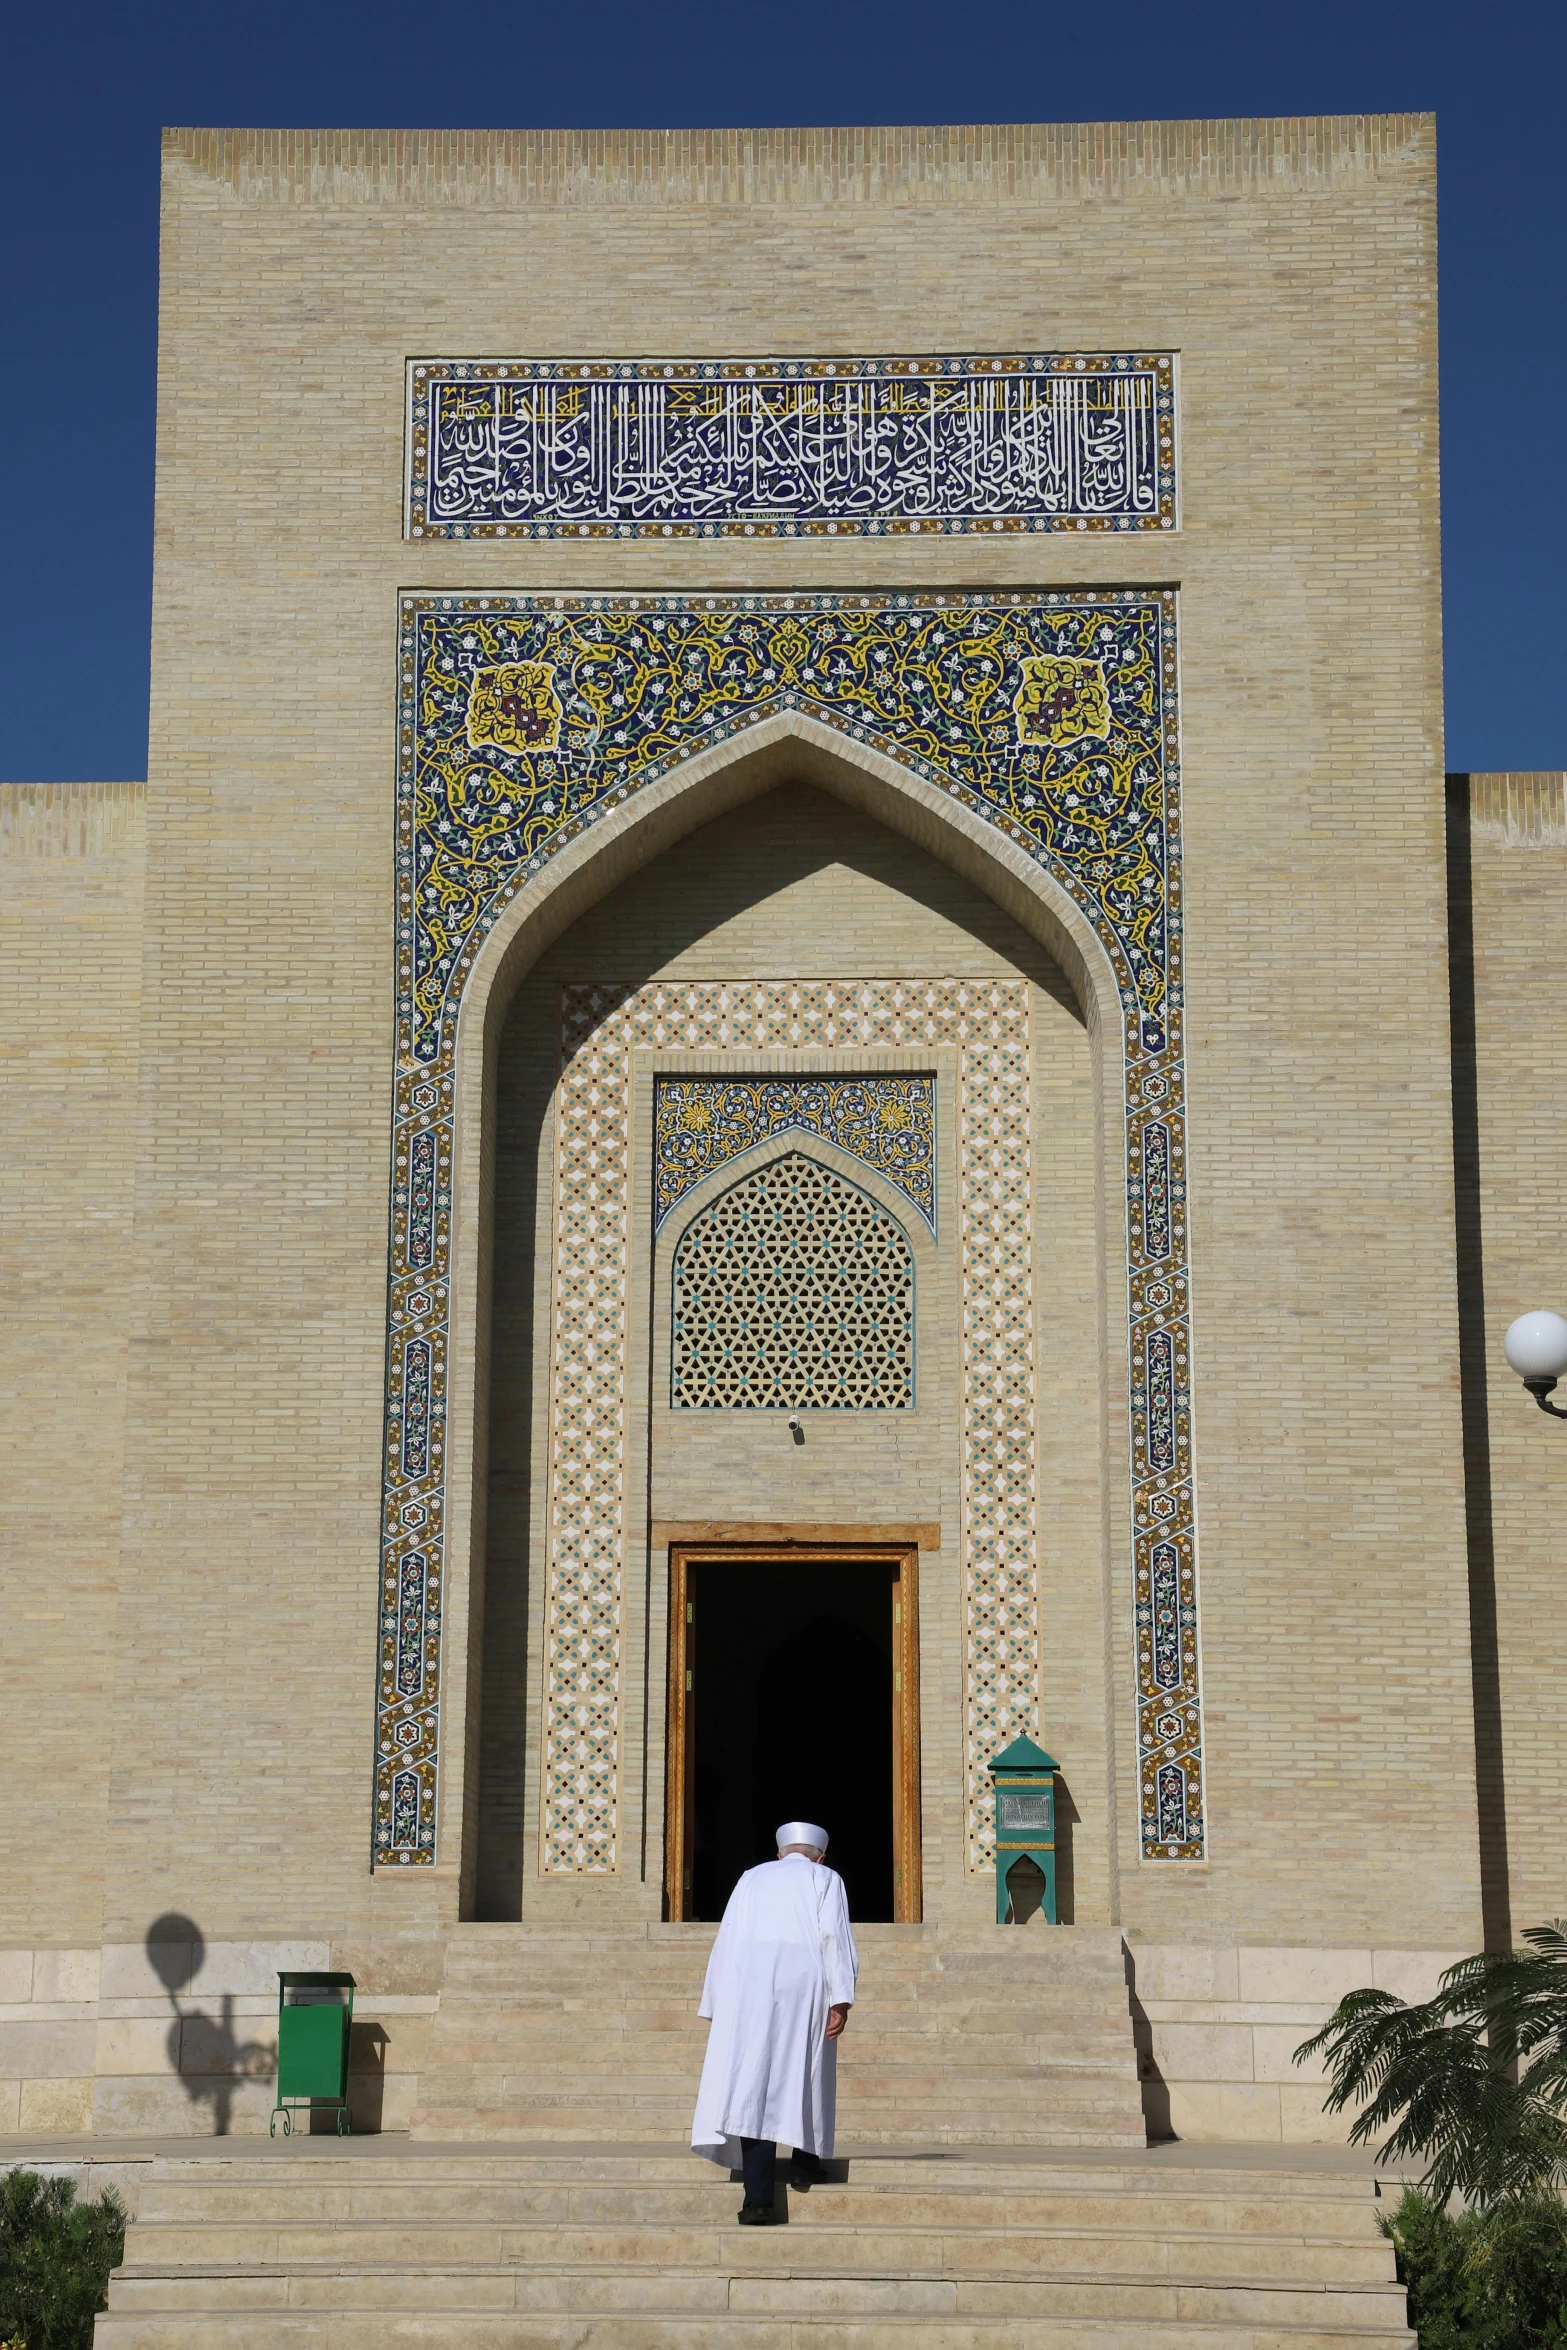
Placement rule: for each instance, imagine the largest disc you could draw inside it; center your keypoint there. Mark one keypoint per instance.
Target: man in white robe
(779, 1987)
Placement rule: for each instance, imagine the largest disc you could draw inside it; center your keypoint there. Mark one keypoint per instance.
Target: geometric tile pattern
(782, 448)
(793, 1291)
(1050, 715)
(700, 1123)
(601, 1030)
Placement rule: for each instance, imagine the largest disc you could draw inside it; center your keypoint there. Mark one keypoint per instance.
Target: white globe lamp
(1536, 1348)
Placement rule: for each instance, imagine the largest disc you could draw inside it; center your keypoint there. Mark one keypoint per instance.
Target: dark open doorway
(793, 1697)
(792, 1667)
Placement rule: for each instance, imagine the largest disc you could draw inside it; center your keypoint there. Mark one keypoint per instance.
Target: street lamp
(1536, 1347)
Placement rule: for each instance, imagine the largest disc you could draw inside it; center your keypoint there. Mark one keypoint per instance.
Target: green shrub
(1494, 2279)
(55, 2258)
(1474, 2080)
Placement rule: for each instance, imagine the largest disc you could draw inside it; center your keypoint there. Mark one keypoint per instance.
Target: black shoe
(808, 2170)
(760, 2215)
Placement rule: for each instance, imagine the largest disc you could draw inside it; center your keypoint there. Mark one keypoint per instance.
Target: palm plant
(1473, 2081)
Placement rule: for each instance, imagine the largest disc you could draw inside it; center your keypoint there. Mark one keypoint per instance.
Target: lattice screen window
(794, 1291)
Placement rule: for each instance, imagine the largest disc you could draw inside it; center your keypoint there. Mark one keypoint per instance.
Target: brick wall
(1293, 269)
(70, 978)
(1292, 266)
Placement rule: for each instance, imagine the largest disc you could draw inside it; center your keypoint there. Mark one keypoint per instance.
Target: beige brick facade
(71, 863)
(202, 1050)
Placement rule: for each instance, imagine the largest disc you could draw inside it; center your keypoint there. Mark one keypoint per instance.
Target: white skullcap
(802, 1832)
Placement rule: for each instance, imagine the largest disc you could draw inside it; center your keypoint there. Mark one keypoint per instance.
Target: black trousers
(759, 2169)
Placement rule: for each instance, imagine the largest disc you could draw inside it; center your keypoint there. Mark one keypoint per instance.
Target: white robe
(784, 1956)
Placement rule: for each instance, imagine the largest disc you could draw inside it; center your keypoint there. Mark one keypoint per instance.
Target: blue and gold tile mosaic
(701, 1123)
(1052, 716)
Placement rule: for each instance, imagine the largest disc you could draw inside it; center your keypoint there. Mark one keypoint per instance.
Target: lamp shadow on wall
(206, 2053)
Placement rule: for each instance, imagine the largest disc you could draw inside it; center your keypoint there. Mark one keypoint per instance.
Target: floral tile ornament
(701, 1123)
(970, 693)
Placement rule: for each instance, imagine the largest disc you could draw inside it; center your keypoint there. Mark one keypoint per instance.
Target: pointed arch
(1088, 918)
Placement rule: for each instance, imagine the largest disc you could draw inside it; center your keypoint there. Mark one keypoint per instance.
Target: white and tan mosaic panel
(601, 1030)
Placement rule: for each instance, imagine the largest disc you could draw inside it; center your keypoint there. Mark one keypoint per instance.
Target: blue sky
(88, 89)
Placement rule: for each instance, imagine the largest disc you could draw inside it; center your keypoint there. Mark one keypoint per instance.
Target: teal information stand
(315, 2024)
(1025, 1779)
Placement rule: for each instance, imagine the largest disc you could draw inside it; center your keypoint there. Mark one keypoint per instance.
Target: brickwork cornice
(69, 819)
(963, 164)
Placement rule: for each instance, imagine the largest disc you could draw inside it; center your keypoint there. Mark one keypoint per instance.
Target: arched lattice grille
(793, 1292)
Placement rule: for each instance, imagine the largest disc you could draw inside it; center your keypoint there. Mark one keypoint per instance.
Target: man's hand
(837, 2017)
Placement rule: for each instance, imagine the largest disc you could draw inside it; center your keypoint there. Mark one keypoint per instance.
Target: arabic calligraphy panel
(776, 448)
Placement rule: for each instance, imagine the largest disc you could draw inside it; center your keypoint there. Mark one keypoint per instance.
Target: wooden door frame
(680, 1746)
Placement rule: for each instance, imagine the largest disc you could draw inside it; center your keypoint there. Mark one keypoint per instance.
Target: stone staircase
(468, 2248)
(994, 2190)
(958, 2037)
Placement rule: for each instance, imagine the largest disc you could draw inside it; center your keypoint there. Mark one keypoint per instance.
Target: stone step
(814, 2317)
(642, 1971)
(567, 2118)
(1060, 1949)
(908, 2036)
(259, 2199)
(936, 2010)
(710, 2202)
(874, 2047)
(645, 1975)
(407, 2162)
(794, 2289)
(865, 2120)
(633, 2126)
(919, 2090)
(937, 2007)
(918, 2098)
(1056, 1958)
(538, 2123)
(586, 2045)
(660, 2056)
(302, 2244)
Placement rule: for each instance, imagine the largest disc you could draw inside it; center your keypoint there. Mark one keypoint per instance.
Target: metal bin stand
(315, 2024)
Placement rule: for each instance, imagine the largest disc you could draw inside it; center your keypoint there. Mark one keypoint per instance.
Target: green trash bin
(1025, 1778)
(315, 2025)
